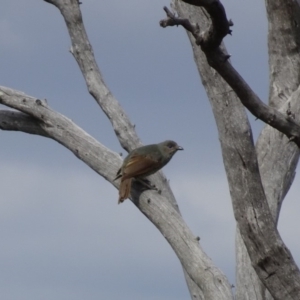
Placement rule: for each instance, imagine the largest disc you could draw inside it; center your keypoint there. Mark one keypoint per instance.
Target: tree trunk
(276, 156)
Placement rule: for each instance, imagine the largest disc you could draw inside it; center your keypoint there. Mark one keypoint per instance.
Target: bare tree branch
(156, 207)
(227, 109)
(273, 263)
(84, 56)
(284, 60)
(270, 257)
(218, 60)
(210, 38)
(276, 157)
(220, 25)
(277, 160)
(17, 121)
(40, 118)
(83, 53)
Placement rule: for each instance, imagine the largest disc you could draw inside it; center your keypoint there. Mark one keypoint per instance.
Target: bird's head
(170, 147)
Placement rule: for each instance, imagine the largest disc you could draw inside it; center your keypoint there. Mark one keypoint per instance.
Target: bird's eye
(170, 145)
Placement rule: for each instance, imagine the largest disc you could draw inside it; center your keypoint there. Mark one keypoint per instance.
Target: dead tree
(259, 176)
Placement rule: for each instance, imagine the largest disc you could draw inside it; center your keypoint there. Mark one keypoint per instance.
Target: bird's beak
(179, 148)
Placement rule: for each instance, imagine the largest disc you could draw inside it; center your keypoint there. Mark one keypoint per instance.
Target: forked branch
(270, 257)
(209, 40)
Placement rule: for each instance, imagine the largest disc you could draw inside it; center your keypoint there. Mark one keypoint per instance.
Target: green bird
(142, 162)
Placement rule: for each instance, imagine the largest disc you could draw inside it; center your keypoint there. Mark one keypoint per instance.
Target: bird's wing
(139, 165)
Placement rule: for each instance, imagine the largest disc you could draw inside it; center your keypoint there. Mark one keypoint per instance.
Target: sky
(63, 234)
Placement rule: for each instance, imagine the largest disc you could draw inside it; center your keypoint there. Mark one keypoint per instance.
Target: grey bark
(248, 173)
(83, 53)
(237, 147)
(161, 209)
(210, 40)
(277, 163)
(277, 158)
(155, 206)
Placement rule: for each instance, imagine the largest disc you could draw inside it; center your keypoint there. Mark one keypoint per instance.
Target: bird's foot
(146, 183)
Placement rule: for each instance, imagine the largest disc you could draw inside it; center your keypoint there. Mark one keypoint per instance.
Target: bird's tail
(124, 190)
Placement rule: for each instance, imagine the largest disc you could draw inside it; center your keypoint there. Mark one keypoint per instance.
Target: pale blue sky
(63, 234)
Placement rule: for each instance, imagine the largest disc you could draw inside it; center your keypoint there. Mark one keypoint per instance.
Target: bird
(142, 162)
